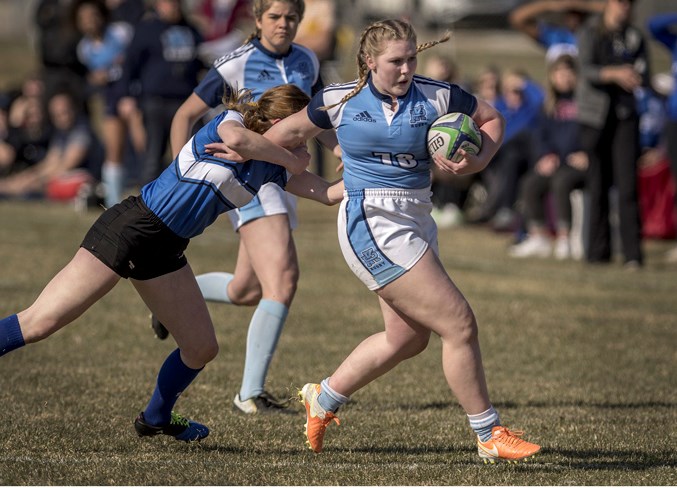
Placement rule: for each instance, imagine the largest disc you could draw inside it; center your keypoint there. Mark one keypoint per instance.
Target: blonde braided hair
(371, 44)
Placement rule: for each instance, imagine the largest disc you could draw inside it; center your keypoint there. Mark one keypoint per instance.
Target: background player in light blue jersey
(143, 238)
(267, 271)
(387, 234)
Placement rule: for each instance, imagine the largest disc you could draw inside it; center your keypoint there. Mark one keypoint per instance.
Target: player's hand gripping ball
(452, 132)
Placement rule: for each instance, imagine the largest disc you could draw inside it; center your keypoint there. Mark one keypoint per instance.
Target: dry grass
(581, 357)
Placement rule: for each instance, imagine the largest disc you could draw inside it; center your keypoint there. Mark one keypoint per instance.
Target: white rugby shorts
(270, 200)
(384, 232)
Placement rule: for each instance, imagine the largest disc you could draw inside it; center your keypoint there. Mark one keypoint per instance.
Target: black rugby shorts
(133, 241)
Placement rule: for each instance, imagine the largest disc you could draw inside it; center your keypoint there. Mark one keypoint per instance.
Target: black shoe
(179, 427)
(160, 330)
(263, 403)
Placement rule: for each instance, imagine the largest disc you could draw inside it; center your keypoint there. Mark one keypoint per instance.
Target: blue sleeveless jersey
(253, 67)
(382, 149)
(197, 187)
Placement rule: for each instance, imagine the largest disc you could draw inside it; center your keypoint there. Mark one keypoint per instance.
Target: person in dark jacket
(161, 69)
(614, 63)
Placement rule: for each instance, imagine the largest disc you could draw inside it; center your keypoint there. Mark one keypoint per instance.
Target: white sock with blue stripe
(264, 331)
(330, 399)
(482, 423)
(214, 286)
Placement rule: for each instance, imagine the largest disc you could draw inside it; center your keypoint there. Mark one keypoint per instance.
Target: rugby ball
(452, 132)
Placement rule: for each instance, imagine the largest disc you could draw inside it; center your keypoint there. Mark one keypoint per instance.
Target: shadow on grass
(553, 404)
(613, 460)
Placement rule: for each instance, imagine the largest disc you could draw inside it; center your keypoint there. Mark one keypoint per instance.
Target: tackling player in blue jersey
(267, 271)
(387, 234)
(143, 238)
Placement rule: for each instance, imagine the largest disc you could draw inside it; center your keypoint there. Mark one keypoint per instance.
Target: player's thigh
(270, 247)
(81, 283)
(427, 295)
(402, 331)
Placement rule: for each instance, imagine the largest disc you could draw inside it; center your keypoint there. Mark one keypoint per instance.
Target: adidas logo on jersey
(264, 75)
(364, 117)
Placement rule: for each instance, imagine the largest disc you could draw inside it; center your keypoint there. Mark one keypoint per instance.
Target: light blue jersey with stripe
(382, 149)
(253, 67)
(384, 223)
(197, 187)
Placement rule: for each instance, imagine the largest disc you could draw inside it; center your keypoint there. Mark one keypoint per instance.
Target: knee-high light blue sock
(113, 178)
(214, 286)
(173, 378)
(264, 331)
(10, 335)
(482, 423)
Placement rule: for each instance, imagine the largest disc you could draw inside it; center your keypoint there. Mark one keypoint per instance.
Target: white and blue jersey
(255, 68)
(197, 187)
(381, 148)
(384, 223)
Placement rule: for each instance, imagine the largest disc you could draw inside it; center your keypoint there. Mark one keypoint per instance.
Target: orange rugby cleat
(317, 418)
(505, 445)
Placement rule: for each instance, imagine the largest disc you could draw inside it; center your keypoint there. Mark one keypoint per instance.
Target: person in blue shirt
(386, 231)
(267, 270)
(102, 50)
(663, 28)
(557, 38)
(144, 237)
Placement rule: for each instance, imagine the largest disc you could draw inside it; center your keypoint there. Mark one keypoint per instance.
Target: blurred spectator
(57, 39)
(27, 143)
(219, 21)
(318, 32)
(553, 23)
(614, 63)
(102, 49)
(32, 88)
(559, 169)
(128, 11)
(449, 191)
(663, 28)
(161, 69)
(6, 150)
(487, 85)
(73, 146)
(521, 103)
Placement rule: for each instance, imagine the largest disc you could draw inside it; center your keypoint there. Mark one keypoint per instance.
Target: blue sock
(214, 286)
(264, 332)
(10, 335)
(329, 399)
(482, 423)
(173, 378)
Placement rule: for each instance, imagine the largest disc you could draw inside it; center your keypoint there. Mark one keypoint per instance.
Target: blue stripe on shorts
(365, 246)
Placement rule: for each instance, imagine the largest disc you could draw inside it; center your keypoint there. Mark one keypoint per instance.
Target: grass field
(582, 358)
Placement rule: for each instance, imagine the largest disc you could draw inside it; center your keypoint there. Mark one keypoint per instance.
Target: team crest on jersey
(418, 115)
(364, 117)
